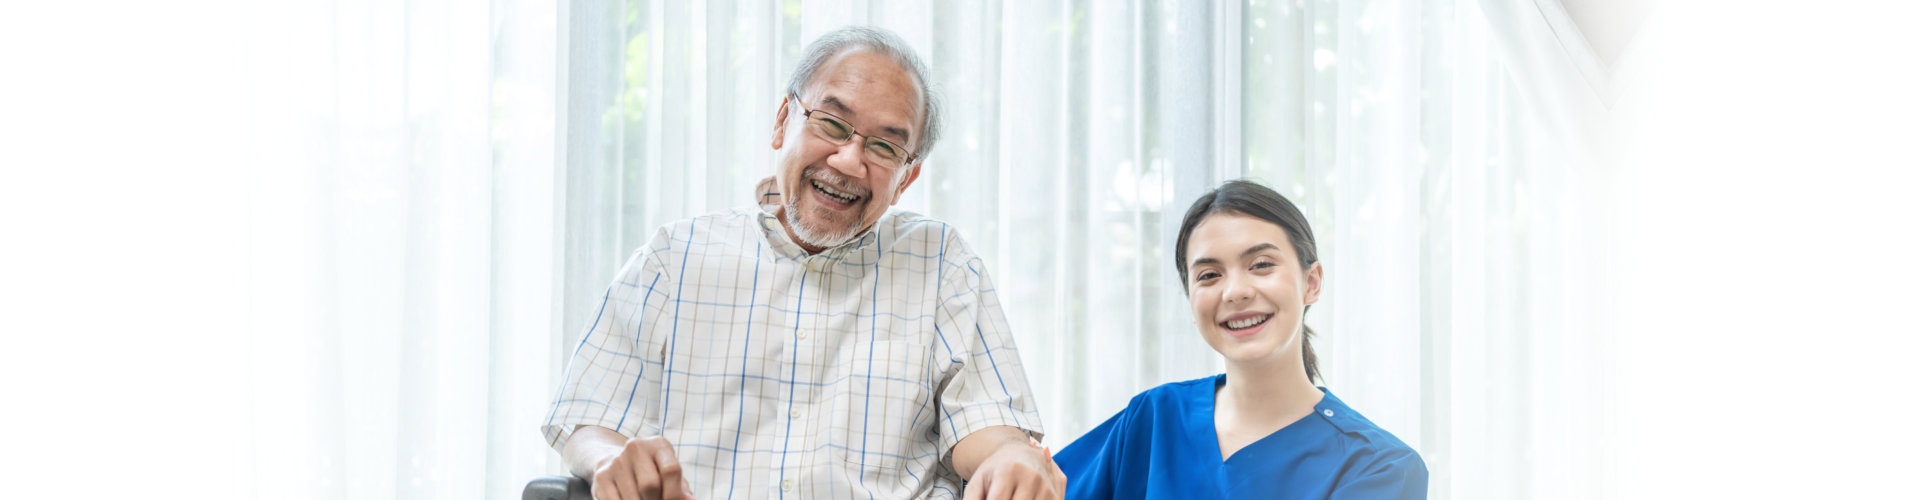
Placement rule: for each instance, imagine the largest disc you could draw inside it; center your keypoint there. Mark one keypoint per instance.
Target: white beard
(815, 229)
(814, 235)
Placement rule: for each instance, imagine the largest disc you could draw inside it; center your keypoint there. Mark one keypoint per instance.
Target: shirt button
(786, 485)
(1327, 412)
(802, 335)
(793, 414)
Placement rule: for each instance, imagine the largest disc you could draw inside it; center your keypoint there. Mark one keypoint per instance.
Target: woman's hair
(1257, 201)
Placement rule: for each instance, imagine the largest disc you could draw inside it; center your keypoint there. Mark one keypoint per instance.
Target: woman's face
(1247, 288)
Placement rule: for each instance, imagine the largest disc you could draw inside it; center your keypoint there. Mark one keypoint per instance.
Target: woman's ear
(1312, 294)
(780, 123)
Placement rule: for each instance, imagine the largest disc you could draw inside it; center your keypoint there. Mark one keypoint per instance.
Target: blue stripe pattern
(779, 373)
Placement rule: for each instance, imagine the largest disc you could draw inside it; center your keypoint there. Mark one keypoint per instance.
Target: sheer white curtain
(335, 248)
(1435, 145)
(441, 189)
(291, 250)
(403, 249)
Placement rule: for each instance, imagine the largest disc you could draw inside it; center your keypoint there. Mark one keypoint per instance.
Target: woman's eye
(1206, 276)
(1263, 265)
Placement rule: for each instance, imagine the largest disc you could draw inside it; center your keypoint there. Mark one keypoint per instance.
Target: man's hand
(1015, 467)
(626, 469)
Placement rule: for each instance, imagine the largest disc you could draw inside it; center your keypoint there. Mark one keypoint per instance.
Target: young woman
(1262, 429)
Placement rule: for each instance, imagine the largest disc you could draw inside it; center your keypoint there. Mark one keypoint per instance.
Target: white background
(1751, 255)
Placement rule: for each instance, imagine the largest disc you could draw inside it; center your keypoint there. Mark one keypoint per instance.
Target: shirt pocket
(888, 394)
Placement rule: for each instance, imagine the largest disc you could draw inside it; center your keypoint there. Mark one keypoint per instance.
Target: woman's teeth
(1248, 323)
(843, 196)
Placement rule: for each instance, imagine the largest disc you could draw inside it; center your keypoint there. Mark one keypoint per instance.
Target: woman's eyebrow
(1250, 251)
(1259, 248)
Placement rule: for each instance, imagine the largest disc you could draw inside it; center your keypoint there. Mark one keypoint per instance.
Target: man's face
(833, 192)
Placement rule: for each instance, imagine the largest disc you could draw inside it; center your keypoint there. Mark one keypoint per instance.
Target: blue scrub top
(1164, 446)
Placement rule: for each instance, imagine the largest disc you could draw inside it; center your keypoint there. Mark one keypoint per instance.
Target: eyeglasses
(836, 130)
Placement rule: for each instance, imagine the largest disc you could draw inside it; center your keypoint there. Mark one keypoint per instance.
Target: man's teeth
(837, 194)
(1249, 322)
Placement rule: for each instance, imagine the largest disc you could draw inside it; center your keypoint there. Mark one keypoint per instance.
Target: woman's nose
(1236, 292)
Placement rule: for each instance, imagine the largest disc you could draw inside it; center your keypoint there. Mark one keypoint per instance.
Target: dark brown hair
(1257, 201)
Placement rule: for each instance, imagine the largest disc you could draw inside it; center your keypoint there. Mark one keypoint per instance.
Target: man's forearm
(976, 447)
(589, 445)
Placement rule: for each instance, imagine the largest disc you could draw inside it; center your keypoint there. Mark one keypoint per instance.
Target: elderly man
(817, 345)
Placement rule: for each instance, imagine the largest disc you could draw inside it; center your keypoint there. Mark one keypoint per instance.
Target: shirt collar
(1330, 409)
(766, 194)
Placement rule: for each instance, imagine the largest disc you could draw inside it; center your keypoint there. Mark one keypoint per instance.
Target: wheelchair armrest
(557, 488)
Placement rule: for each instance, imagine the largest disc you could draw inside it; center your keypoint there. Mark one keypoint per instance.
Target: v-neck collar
(1209, 434)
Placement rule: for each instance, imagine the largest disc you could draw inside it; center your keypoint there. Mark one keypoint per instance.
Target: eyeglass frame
(807, 113)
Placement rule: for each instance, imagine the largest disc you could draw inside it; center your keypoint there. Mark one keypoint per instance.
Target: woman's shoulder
(1178, 394)
(1163, 408)
(1363, 436)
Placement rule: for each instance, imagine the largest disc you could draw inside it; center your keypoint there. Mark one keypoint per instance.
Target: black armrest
(557, 488)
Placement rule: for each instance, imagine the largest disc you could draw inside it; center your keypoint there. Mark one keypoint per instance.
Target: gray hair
(884, 43)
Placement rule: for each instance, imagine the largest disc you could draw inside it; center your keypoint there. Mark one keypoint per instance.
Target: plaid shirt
(778, 374)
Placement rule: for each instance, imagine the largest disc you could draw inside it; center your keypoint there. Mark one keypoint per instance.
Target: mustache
(835, 180)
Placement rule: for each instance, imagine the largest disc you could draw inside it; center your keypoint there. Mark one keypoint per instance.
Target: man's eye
(884, 150)
(834, 127)
(1206, 276)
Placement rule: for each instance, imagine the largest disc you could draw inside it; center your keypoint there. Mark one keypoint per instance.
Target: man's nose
(848, 158)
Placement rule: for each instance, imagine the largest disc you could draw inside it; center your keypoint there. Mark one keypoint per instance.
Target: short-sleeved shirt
(1164, 445)
(777, 374)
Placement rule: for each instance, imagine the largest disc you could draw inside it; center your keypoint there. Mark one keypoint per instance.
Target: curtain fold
(412, 234)
(477, 172)
(1434, 144)
(342, 248)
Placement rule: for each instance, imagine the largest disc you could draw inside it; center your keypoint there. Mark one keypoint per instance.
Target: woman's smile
(1246, 324)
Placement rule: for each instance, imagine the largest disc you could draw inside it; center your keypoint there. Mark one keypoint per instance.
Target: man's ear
(912, 172)
(780, 123)
(1312, 294)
